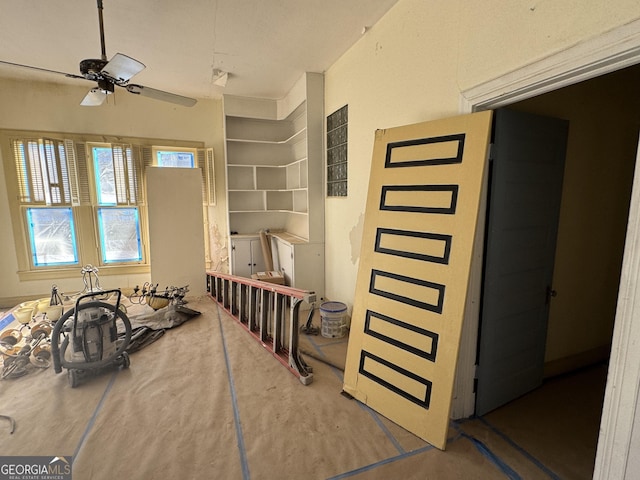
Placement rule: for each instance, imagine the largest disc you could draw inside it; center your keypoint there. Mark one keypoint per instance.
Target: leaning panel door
(420, 222)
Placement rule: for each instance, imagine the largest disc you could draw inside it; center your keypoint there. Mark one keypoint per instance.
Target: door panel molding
(418, 236)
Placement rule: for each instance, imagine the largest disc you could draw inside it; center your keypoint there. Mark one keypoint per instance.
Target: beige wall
(413, 65)
(43, 106)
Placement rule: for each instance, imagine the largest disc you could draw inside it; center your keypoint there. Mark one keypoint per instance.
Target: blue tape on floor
(318, 349)
(234, 399)
(372, 466)
(367, 409)
(376, 418)
(531, 458)
(368, 468)
(92, 420)
(493, 458)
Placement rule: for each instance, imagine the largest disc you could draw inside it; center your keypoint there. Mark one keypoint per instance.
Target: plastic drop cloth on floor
(148, 325)
(208, 401)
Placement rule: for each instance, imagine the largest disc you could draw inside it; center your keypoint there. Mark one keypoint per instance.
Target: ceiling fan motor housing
(105, 85)
(91, 67)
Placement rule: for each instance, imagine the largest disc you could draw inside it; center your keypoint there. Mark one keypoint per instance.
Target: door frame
(605, 53)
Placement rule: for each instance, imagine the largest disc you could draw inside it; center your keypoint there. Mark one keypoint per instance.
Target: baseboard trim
(577, 361)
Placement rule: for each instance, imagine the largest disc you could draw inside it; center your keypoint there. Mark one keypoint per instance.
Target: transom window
(179, 159)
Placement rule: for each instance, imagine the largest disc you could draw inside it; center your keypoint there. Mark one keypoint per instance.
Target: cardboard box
(271, 277)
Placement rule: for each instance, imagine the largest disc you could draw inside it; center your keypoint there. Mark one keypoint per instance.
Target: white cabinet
(301, 262)
(283, 259)
(246, 255)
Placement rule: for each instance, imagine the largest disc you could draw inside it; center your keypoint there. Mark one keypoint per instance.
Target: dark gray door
(524, 203)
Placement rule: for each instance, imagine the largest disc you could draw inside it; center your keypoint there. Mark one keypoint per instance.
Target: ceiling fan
(109, 74)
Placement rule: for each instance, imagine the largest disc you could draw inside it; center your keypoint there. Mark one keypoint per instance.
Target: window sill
(74, 272)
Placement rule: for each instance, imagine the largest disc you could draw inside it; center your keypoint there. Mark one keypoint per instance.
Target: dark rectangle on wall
(422, 293)
(441, 199)
(389, 370)
(445, 150)
(425, 246)
(425, 345)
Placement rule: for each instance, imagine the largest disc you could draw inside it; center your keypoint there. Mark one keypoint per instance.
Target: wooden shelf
(295, 138)
(290, 130)
(271, 178)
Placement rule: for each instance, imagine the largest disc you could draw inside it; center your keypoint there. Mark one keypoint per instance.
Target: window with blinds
(43, 176)
(44, 186)
(116, 175)
(81, 200)
(117, 197)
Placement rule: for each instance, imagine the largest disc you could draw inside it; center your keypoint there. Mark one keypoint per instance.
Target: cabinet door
(308, 267)
(241, 257)
(257, 260)
(246, 255)
(285, 261)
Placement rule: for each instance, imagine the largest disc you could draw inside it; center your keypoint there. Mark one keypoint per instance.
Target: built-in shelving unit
(274, 159)
(267, 164)
(270, 145)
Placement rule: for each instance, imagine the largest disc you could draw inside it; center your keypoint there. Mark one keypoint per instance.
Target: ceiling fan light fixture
(94, 98)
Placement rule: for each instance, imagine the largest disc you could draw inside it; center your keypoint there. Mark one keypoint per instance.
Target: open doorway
(601, 54)
(600, 162)
(603, 115)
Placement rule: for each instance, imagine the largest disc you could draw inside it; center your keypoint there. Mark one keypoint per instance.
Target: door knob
(550, 293)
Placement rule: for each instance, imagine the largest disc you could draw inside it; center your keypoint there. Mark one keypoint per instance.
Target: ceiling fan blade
(94, 98)
(122, 67)
(161, 95)
(70, 75)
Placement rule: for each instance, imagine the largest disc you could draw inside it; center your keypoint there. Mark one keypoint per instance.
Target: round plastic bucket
(333, 319)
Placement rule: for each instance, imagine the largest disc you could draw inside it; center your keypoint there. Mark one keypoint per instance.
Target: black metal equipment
(85, 339)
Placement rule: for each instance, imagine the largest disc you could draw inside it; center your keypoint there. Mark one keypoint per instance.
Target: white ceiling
(265, 45)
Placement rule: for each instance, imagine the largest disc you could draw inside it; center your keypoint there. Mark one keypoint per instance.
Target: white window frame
(82, 200)
(127, 169)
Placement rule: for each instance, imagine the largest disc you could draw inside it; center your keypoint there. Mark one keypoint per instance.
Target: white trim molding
(610, 51)
(621, 396)
(605, 53)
